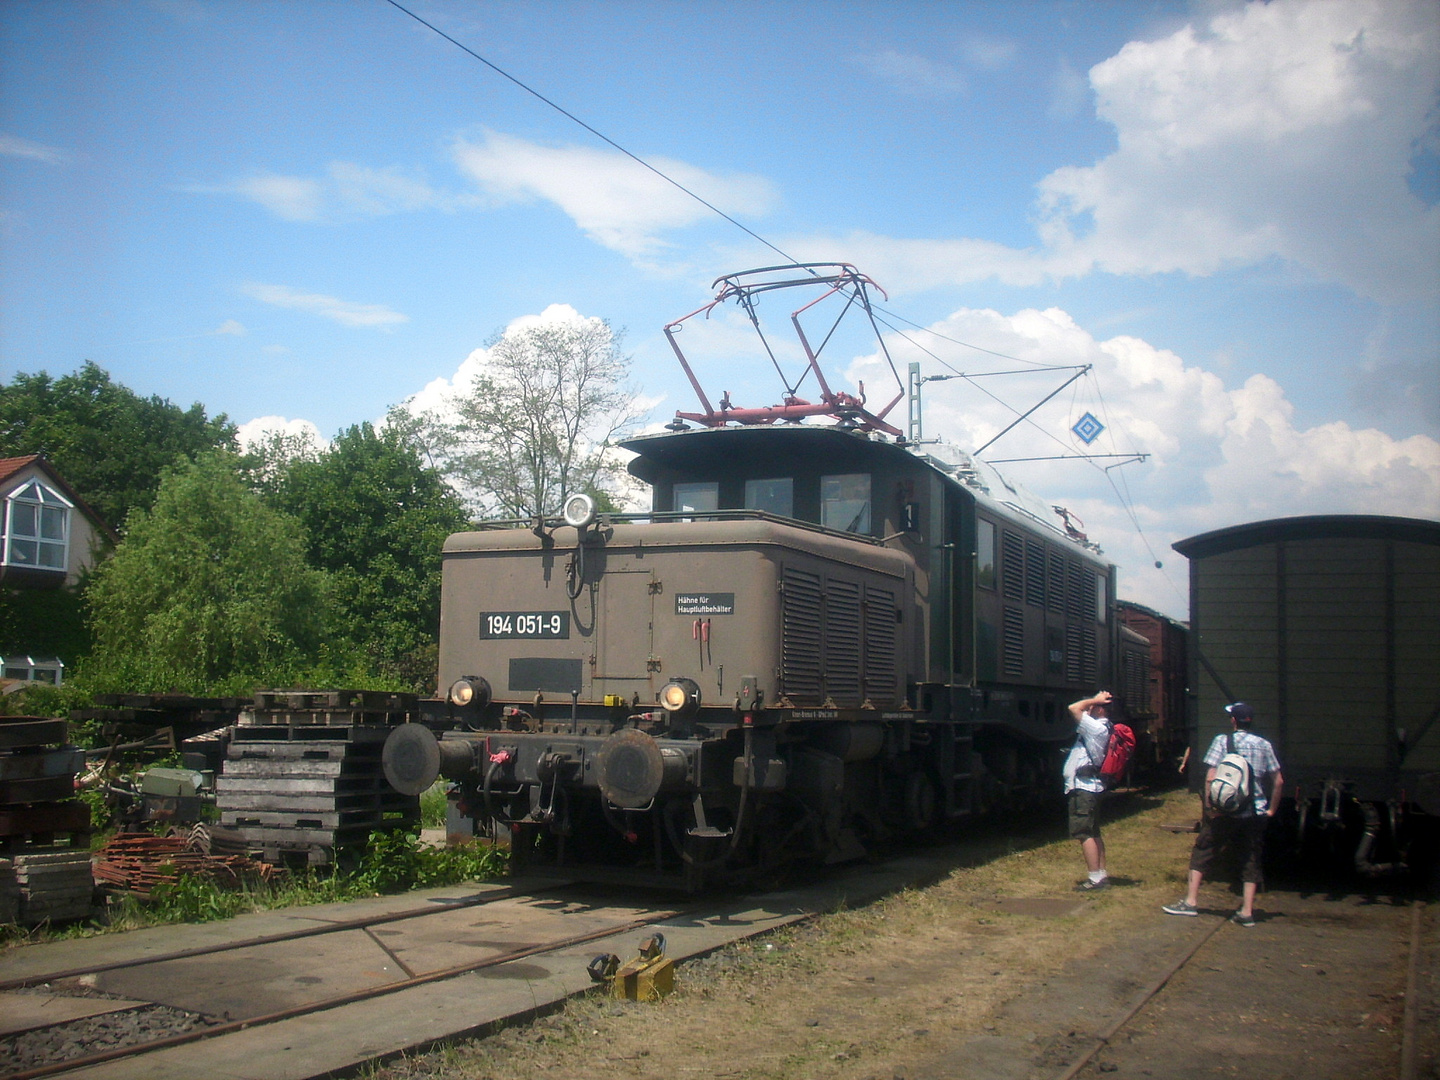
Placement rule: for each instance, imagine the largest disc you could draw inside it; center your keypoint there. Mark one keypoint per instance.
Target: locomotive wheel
(921, 802)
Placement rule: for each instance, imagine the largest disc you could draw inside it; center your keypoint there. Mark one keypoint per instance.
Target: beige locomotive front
(610, 615)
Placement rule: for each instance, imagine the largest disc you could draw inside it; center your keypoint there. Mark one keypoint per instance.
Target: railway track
(1088, 1062)
(145, 977)
(308, 1000)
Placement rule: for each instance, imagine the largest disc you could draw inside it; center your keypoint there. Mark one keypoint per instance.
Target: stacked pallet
(44, 829)
(303, 779)
(53, 885)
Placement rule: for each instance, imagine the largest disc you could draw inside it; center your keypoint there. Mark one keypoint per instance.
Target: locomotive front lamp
(680, 698)
(471, 690)
(579, 510)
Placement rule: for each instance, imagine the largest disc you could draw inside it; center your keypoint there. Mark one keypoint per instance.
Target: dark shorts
(1084, 815)
(1245, 835)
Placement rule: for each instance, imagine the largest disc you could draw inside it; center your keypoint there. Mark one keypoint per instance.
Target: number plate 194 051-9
(524, 624)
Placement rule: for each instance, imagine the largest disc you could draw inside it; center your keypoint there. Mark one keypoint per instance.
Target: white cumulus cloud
(345, 312)
(1282, 130)
(614, 200)
(263, 429)
(1220, 455)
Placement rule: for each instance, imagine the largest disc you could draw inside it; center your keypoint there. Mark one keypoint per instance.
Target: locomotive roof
(725, 449)
(1313, 527)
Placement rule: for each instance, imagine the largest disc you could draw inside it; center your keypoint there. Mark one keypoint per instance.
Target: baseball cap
(1240, 711)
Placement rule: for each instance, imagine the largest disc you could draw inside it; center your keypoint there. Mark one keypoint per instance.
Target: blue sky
(312, 211)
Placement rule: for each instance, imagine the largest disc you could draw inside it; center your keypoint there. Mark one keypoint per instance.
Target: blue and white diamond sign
(1088, 429)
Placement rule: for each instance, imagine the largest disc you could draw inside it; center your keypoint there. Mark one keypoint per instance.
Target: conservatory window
(37, 527)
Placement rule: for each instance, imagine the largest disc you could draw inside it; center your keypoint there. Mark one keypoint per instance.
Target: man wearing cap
(1246, 831)
(1083, 786)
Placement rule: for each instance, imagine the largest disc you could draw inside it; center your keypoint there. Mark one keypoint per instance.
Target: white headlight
(579, 510)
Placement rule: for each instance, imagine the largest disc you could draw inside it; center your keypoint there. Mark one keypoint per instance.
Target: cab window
(984, 553)
(696, 498)
(845, 502)
(773, 496)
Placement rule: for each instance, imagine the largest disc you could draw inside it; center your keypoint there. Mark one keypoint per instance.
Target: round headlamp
(680, 698)
(579, 510)
(471, 690)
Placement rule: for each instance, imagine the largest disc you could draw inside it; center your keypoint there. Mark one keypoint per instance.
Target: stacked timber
(44, 830)
(303, 779)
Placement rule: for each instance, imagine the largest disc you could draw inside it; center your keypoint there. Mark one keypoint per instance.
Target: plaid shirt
(1257, 751)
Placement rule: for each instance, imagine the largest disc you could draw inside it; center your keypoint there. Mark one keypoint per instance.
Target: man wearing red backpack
(1240, 822)
(1083, 785)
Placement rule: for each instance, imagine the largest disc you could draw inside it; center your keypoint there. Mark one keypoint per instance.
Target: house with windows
(49, 538)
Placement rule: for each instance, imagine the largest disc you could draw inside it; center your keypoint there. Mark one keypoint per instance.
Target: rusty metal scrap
(138, 862)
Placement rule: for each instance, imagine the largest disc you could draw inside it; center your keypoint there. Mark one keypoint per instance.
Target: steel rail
(504, 893)
(59, 1067)
(1144, 998)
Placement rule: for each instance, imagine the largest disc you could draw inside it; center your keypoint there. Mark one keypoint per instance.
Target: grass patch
(394, 862)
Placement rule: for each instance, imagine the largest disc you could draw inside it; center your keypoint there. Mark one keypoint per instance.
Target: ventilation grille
(842, 642)
(879, 645)
(1012, 568)
(1055, 594)
(1013, 645)
(1034, 573)
(800, 635)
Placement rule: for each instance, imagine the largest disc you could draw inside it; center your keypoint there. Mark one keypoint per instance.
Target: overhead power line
(598, 134)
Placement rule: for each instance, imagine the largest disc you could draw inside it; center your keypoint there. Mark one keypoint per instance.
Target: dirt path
(956, 981)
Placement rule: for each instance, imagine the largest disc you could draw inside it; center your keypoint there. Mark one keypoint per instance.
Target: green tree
(539, 419)
(107, 441)
(377, 517)
(209, 592)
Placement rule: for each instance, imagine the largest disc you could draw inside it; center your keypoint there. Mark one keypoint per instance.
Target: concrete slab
(21, 1011)
(420, 1016)
(82, 953)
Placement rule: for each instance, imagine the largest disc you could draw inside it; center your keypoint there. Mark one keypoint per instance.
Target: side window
(845, 502)
(773, 496)
(697, 498)
(984, 553)
(1101, 588)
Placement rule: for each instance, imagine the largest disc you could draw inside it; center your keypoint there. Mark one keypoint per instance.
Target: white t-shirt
(1082, 767)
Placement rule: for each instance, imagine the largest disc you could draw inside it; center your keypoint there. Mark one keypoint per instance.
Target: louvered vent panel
(800, 637)
(1034, 573)
(1013, 645)
(842, 642)
(880, 646)
(1089, 659)
(1072, 654)
(1075, 592)
(1055, 594)
(1012, 567)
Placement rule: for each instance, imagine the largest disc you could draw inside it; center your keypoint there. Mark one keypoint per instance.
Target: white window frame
(42, 497)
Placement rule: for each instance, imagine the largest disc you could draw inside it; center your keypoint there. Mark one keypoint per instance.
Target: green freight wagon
(1329, 626)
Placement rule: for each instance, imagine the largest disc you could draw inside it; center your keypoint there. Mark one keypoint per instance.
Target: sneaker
(1180, 907)
(1092, 886)
(1242, 920)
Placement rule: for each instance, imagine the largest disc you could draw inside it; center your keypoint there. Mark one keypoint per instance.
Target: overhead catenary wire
(874, 312)
(598, 134)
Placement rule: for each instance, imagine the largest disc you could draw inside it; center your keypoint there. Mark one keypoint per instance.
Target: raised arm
(1079, 708)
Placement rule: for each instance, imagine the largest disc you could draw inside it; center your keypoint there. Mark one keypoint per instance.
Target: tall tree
(377, 517)
(208, 592)
(107, 441)
(538, 421)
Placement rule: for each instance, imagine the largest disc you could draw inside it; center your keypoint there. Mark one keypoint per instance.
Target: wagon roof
(1313, 527)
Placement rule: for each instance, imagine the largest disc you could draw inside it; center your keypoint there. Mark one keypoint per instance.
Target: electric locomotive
(821, 635)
